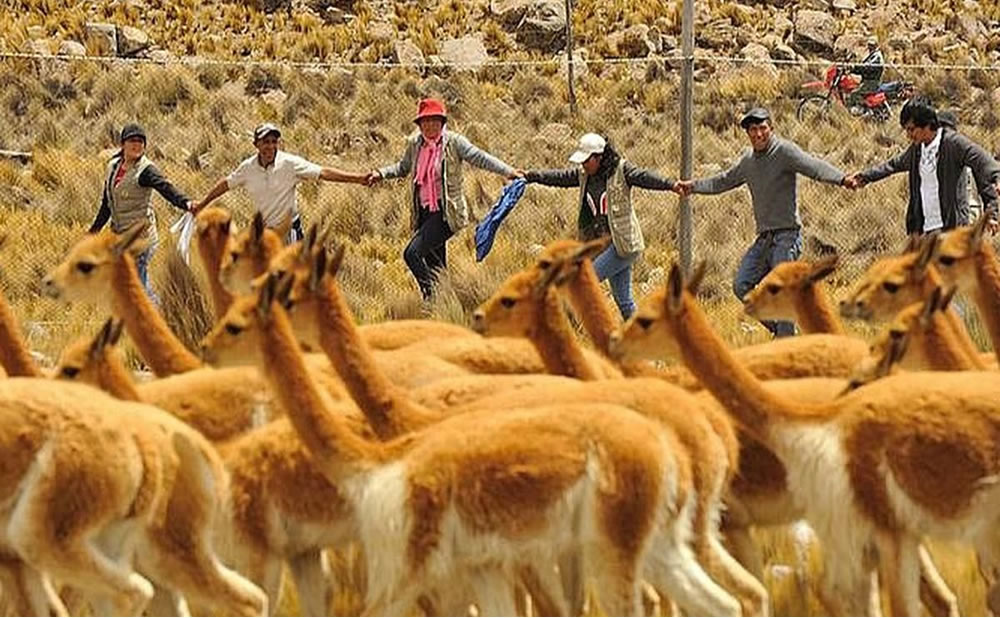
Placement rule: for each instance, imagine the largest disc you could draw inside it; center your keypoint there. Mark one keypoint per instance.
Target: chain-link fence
(64, 114)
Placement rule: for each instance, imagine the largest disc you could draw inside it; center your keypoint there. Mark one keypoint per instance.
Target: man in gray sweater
(770, 169)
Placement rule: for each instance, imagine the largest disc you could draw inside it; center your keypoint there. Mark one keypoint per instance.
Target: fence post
(569, 55)
(687, 140)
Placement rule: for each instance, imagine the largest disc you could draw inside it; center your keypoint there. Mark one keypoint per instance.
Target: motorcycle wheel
(813, 107)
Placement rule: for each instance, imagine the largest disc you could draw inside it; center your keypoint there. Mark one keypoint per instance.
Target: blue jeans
(618, 270)
(770, 249)
(142, 267)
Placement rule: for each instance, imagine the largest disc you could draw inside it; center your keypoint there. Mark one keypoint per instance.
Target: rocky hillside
(475, 31)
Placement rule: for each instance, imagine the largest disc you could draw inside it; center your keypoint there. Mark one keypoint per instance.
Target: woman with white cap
(129, 181)
(434, 158)
(605, 180)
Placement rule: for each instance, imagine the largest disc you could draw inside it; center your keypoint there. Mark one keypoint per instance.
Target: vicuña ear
(117, 327)
(310, 241)
(592, 249)
(932, 304)
(823, 268)
(927, 248)
(266, 296)
(897, 350)
(318, 270)
(978, 233)
(946, 298)
(675, 290)
(284, 289)
(697, 276)
(128, 239)
(336, 260)
(548, 278)
(97, 345)
(257, 228)
(912, 243)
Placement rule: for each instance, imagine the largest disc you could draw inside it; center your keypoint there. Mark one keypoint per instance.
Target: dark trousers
(425, 254)
(770, 249)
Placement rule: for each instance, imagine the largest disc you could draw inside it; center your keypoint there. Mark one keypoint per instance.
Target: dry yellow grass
(199, 117)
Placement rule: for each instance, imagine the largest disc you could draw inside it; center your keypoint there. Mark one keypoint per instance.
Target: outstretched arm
(895, 165)
(396, 170)
(216, 192)
(648, 179)
(332, 174)
(152, 177)
(812, 166)
(986, 172)
(720, 183)
(554, 178)
(478, 157)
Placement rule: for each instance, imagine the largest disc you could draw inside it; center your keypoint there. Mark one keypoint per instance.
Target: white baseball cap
(590, 144)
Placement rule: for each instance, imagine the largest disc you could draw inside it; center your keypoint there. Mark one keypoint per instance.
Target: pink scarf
(428, 175)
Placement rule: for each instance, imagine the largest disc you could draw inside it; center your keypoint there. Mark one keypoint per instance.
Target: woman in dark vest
(605, 180)
(127, 197)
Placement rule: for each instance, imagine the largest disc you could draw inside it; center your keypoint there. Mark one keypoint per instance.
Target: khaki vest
(456, 210)
(626, 235)
(130, 203)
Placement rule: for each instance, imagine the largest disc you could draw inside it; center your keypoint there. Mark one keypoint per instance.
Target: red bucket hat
(430, 108)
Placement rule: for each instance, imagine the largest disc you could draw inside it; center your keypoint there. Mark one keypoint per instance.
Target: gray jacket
(457, 149)
(955, 153)
(771, 175)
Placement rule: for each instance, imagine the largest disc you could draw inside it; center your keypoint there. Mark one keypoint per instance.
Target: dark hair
(920, 111)
(947, 118)
(609, 159)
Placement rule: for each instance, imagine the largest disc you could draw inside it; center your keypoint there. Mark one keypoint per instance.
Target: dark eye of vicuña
(507, 302)
(645, 323)
(233, 329)
(890, 287)
(70, 372)
(85, 267)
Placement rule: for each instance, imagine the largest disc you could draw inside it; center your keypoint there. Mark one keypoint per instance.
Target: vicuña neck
(263, 252)
(942, 348)
(14, 354)
(212, 250)
(588, 301)
(815, 312)
(337, 449)
(115, 379)
(556, 343)
(387, 409)
(159, 347)
(708, 358)
(988, 294)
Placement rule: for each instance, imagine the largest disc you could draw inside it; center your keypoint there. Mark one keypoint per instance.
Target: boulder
(899, 42)
(406, 52)
(814, 5)
(851, 46)
(72, 48)
(467, 53)
(36, 32)
(718, 34)
(382, 32)
(815, 31)
(162, 56)
(783, 27)
(543, 26)
(783, 52)
(131, 41)
(276, 97)
(755, 52)
(848, 6)
(633, 42)
(41, 47)
(580, 67)
(102, 39)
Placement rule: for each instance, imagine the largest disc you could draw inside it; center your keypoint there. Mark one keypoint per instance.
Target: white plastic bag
(183, 229)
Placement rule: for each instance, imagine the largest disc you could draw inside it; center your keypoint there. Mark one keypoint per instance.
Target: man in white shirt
(934, 162)
(270, 178)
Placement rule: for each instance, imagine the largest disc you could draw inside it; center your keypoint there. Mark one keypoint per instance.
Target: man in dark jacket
(934, 161)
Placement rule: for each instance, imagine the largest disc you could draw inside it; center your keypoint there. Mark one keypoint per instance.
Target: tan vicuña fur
(904, 456)
(213, 227)
(966, 259)
(792, 290)
(280, 508)
(68, 502)
(446, 502)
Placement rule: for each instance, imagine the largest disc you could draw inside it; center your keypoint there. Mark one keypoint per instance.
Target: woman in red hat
(434, 158)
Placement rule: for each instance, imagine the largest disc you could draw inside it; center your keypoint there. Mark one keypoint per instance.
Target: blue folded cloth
(486, 231)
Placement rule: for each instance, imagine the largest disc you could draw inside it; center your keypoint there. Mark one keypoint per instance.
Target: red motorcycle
(838, 85)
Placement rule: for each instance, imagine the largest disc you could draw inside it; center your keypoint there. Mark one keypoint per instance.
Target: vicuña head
(213, 227)
(513, 310)
(80, 360)
(780, 294)
(87, 273)
(955, 253)
(248, 256)
(891, 284)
